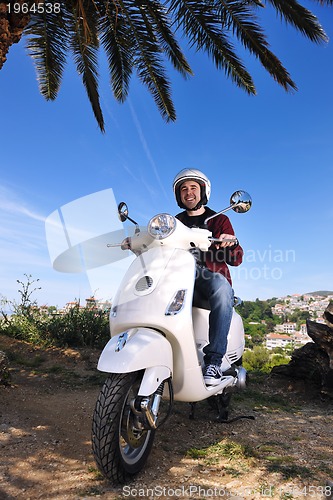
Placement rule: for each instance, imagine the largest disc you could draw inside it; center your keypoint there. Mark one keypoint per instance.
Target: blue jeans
(217, 290)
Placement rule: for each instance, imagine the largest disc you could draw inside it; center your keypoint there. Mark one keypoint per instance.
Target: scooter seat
(200, 301)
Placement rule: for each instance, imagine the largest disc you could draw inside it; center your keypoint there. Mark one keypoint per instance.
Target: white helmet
(191, 174)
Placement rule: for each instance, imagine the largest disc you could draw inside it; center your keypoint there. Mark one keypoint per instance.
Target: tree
(256, 359)
(27, 305)
(141, 35)
(298, 316)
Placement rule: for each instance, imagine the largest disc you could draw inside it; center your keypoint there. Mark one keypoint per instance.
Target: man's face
(190, 194)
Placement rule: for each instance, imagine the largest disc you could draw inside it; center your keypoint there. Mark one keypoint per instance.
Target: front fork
(146, 408)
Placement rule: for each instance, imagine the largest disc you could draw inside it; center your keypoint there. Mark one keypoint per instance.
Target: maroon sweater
(216, 260)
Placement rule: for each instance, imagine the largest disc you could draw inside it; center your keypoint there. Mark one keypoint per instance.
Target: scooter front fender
(139, 349)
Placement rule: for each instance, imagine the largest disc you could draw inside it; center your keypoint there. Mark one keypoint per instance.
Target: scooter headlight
(161, 226)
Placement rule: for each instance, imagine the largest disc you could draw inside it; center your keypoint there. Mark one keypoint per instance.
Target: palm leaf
(202, 25)
(148, 59)
(324, 2)
(117, 40)
(157, 18)
(47, 45)
(82, 24)
(240, 19)
(141, 35)
(301, 19)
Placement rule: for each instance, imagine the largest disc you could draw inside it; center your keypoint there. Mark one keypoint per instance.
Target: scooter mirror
(122, 211)
(240, 201)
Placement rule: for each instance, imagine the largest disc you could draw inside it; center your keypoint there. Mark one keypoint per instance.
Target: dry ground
(45, 451)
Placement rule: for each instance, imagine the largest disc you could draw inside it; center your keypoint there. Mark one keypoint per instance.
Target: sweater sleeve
(232, 256)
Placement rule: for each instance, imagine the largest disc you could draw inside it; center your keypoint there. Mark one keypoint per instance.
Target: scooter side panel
(236, 342)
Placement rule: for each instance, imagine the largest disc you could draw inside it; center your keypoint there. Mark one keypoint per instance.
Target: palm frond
(241, 20)
(117, 40)
(301, 19)
(47, 45)
(158, 18)
(324, 2)
(148, 59)
(141, 35)
(151, 73)
(202, 25)
(84, 44)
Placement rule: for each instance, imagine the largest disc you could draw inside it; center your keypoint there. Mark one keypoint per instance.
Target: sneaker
(212, 374)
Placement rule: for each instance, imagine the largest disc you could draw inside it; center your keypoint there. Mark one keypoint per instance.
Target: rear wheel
(120, 442)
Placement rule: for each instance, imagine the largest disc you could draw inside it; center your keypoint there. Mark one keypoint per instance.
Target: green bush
(22, 328)
(78, 327)
(262, 360)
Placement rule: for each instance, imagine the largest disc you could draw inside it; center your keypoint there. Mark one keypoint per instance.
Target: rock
(322, 335)
(314, 361)
(328, 315)
(4, 369)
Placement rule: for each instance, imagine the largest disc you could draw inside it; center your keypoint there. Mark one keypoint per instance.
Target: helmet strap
(199, 205)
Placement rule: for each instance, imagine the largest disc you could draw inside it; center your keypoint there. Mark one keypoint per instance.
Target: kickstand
(191, 415)
(223, 412)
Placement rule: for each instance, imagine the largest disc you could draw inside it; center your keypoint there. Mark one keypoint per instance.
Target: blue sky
(277, 146)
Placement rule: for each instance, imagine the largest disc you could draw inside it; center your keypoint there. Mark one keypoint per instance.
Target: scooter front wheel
(120, 443)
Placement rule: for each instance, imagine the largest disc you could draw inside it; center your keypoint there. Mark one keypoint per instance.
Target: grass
(241, 458)
(229, 450)
(97, 475)
(197, 453)
(257, 400)
(31, 362)
(234, 458)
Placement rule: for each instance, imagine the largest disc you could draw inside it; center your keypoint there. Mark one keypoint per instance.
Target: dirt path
(45, 450)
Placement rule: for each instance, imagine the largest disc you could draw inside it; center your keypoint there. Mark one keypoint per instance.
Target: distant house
(303, 330)
(297, 339)
(279, 310)
(286, 328)
(289, 327)
(301, 339)
(91, 303)
(277, 340)
(71, 305)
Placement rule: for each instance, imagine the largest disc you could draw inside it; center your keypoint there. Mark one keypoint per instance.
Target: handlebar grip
(229, 240)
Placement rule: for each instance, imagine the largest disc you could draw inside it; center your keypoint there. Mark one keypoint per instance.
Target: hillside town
(289, 333)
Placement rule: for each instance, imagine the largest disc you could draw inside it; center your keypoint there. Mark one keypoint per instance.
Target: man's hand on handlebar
(227, 240)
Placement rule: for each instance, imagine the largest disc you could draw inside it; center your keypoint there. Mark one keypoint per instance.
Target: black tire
(119, 448)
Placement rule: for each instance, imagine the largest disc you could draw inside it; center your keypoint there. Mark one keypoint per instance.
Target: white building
(277, 340)
(287, 328)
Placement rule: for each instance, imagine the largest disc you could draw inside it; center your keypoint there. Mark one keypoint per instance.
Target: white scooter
(156, 348)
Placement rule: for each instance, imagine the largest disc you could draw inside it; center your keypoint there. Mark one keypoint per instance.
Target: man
(213, 281)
